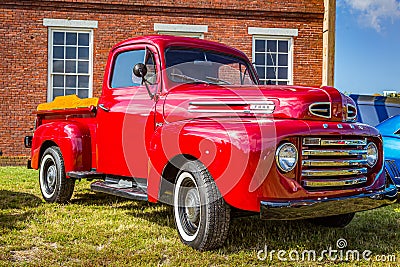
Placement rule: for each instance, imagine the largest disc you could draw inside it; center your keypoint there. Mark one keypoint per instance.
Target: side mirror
(140, 70)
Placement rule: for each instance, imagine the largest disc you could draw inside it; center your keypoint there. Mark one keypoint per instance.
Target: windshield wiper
(217, 80)
(187, 78)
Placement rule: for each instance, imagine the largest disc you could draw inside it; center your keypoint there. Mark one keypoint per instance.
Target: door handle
(104, 108)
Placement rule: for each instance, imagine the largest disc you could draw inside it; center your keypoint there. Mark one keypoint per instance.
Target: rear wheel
(340, 220)
(54, 185)
(201, 215)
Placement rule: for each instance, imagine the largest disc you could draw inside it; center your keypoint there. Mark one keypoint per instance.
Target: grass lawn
(101, 230)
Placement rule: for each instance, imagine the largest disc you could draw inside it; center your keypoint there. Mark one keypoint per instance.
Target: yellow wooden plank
(68, 102)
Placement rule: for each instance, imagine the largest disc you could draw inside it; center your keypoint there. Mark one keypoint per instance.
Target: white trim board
(66, 23)
(160, 27)
(273, 31)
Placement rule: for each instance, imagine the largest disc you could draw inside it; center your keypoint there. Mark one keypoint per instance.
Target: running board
(86, 175)
(135, 193)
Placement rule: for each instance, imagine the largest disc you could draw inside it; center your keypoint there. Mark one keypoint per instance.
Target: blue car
(390, 130)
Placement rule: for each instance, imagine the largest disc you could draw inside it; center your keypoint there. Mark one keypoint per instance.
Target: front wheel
(340, 220)
(54, 185)
(201, 215)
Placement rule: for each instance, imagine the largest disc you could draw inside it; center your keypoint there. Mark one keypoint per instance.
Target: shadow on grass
(18, 200)
(160, 214)
(377, 230)
(12, 208)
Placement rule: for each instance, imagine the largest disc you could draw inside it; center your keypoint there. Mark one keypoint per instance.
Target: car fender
(72, 138)
(228, 149)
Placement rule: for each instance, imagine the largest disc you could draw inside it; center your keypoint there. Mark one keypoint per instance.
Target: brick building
(58, 47)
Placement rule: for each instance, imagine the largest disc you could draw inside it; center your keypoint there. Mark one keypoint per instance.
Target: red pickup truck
(186, 122)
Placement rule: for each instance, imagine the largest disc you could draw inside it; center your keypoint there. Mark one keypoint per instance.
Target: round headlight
(372, 154)
(286, 157)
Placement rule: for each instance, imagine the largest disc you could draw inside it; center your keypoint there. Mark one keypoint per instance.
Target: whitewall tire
(201, 215)
(54, 185)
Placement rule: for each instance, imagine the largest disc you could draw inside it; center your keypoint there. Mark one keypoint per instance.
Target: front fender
(237, 153)
(72, 138)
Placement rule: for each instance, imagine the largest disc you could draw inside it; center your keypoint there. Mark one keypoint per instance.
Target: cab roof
(164, 41)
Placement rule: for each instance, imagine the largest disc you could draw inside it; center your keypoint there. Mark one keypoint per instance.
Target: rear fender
(72, 138)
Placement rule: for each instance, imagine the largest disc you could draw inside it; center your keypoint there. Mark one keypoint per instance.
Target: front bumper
(313, 208)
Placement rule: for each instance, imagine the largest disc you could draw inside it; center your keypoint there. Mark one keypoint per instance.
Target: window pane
(70, 55)
(282, 83)
(71, 52)
(58, 38)
(271, 46)
(271, 59)
(261, 72)
(283, 46)
(260, 59)
(122, 73)
(83, 81)
(70, 66)
(58, 66)
(282, 73)
(283, 60)
(83, 39)
(70, 92)
(151, 75)
(71, 38)
(260, 45)
(70, 81)
(58, 92)
(83, 67)
(58, 80)
(58, 52)
(271, 73)
(83, 53)
(83, 93)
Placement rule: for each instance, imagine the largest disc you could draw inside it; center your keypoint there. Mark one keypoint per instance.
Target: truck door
(126, 113)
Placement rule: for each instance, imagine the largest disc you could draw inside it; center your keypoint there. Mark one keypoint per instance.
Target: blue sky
(367, 46)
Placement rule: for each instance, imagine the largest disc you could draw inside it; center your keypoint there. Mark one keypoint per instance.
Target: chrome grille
(322, 109)
(333, 163)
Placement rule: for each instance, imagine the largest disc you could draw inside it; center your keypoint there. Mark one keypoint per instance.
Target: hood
(390, 127)
(281, 102)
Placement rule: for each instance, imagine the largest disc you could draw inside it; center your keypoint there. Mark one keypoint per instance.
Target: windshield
(198, 66)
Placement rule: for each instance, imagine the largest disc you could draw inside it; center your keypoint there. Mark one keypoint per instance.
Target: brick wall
(23, 68)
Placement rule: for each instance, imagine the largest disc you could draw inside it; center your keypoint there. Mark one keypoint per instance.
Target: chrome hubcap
(192, 205)
(51, 176)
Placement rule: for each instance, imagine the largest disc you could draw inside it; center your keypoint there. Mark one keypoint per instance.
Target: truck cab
(185, 122)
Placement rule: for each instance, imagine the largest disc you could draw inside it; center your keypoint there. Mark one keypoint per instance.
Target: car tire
(338, 221)
(201, 215)
(54, 185)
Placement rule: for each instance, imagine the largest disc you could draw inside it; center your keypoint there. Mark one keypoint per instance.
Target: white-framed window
(70, 58)
(272, 54)
(186, 30)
